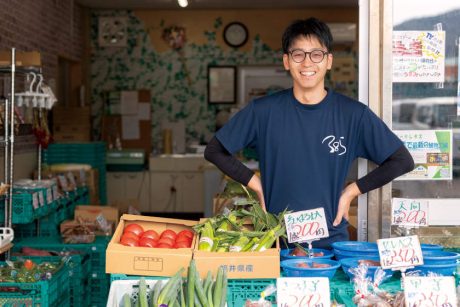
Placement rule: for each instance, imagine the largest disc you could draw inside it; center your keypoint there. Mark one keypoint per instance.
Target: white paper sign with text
(400, 252)
(430, 291)
(409, 212)
(307, 225)
(303, 292)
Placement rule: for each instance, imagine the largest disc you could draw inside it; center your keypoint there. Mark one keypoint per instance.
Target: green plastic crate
(46, 293)
(93, 153)
(78, 267)
(82, 196)
(240, 290)
(23, 211)
(98, 280)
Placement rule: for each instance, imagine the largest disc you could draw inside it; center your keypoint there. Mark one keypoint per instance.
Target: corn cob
(250, 244)
(207, 236)
(239, 244)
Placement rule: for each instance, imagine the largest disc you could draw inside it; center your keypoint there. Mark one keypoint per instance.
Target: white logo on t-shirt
(335, 146)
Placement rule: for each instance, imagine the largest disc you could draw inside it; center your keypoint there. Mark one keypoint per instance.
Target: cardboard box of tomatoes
(150, 246)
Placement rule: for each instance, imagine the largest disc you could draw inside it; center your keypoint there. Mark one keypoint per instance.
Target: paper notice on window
(129, 103)
(130, 127)
(143, 111)
(418, 56)
(432, 153)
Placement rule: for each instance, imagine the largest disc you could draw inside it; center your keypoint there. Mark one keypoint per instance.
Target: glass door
(426, 110)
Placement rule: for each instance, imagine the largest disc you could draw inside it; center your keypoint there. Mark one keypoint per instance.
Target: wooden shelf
(6, 248)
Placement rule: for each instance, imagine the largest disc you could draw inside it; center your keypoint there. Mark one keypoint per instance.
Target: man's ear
(330, 59)
(286, 61)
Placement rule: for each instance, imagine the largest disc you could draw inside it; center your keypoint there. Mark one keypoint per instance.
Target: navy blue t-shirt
(305, 151)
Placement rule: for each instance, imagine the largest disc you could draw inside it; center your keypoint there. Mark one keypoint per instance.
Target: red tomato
(152, 234)
(168, 233)
(163, 245)
(166, 241)
(147, 242)
(181, 245)
(131, 235)
(183, 239)
(29, 264)
(187, 233)
(129, 242)
(134, 228)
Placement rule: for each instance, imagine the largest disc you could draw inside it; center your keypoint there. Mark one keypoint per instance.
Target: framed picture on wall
(221, 84)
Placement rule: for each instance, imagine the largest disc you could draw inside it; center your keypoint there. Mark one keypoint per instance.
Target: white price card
(430, 291)
(307, 225)
(400, 252)
(41, 198)
(409, 212)
(63, 183)
(71, 178)
(35, 202)
(83, 177)
(303, 292)
(49, 196)
(55, 192)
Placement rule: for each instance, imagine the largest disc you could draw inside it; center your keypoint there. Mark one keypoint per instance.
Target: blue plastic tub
(440, 257)
(441, 269)
(327, 254)
(431, 247)
(291, 269)
(339, 255)
(355, 246)
(355, 249)
(348, 263)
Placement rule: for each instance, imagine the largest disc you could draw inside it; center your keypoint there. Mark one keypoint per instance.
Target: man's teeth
(307, 73)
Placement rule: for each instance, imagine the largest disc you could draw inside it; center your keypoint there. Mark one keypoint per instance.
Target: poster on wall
(431, 151)
(418, 56)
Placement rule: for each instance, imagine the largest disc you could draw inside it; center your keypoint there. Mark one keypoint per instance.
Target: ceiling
(216, 4)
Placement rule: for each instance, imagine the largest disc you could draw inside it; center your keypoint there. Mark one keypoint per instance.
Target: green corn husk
(250, 244)
(239, 244)
(207, 237)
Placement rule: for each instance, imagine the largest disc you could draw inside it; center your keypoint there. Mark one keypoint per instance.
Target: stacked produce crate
(94, 281)
(93, 153)
(49, 291)
(78, 265)
(58, 210)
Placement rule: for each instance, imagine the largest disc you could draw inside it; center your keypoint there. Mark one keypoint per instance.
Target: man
(307, 138)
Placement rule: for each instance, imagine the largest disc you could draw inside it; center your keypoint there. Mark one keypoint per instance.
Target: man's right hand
(256, 185)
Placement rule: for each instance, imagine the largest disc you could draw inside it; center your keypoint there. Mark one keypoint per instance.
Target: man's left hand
(348, 194)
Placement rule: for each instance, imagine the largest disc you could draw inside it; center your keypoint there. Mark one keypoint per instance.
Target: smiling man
(308, 136)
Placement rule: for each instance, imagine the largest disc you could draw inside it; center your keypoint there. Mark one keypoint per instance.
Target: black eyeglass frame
(309, 55)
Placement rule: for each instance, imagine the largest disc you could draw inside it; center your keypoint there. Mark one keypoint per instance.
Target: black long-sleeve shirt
(399, 163)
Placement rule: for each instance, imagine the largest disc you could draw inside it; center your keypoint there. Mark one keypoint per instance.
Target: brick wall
(53, 27)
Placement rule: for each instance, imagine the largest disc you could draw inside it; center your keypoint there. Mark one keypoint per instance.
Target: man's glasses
(316, 56)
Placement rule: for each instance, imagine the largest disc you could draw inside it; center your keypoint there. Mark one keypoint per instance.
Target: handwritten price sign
(409, 212)
(430, 291)
(401, 252)
(307, 225)
(303, 292)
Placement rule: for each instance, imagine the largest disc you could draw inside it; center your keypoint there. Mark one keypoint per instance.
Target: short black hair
(307, 28)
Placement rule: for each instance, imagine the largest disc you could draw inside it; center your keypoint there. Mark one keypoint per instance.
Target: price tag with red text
(400, 252)
(303, 292)
(409, 212)
(429, 291)
(307, 225)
